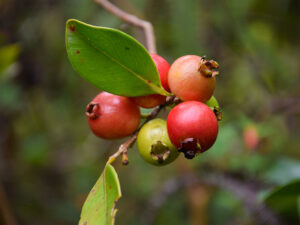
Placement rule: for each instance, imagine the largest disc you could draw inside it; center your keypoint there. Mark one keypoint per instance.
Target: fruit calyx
(190, 147)
(160, 152)
(92, 110)
(217, 112)
(208, 68)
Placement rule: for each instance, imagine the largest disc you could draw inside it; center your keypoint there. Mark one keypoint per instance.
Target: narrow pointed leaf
(111, 60)
(99, 207)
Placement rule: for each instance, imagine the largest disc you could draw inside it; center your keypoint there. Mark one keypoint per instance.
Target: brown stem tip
(125, 160)
(92, 111)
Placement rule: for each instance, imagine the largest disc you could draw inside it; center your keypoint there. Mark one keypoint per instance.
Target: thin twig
(131, 19)
(5, 210)
(127, 144)
(123, 150)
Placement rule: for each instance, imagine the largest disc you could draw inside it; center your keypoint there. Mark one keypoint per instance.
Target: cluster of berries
(191, 126)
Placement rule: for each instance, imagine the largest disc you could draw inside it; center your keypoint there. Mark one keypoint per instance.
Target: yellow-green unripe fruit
(154, 144)
(213, 104)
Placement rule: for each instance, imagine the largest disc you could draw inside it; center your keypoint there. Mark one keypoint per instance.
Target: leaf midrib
(115, 60)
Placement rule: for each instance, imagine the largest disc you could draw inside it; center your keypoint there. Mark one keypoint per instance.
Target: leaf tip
(71, 25)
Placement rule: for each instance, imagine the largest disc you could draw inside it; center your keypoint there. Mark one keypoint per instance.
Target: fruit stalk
(133, 20)
(123, 149)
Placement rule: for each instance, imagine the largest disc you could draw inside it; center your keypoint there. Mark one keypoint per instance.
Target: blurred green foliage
(49, 159)
(285, 199)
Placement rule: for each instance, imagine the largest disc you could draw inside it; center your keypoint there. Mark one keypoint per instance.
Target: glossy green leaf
(284, 199)
(111, 60)
(99, 207)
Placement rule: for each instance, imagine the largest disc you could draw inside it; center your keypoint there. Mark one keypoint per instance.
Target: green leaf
(99, 207)
(111, 60)
(284, 199)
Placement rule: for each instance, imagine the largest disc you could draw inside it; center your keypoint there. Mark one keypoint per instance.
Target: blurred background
(49, 159)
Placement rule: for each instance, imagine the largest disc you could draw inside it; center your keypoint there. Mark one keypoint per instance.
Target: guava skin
(112, 117)
(190, 79)
(192, 127)
(151, 101)
(163, 68)
(154, 144)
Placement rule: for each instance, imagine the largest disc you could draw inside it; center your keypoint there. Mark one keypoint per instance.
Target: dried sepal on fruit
(192, 127)
(111, 116)
(192, 77)
(154, 144)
